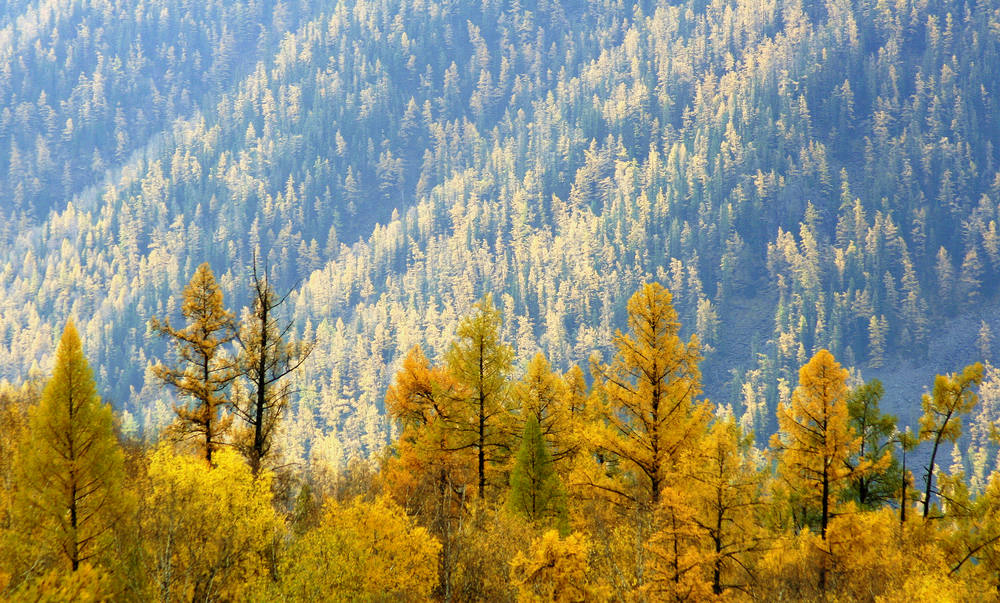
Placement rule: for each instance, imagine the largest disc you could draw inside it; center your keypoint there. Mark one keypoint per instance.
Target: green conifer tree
(535, 488)
(953, 396)
(882, 483)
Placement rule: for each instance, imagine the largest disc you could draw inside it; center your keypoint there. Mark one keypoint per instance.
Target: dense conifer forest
(399, 265)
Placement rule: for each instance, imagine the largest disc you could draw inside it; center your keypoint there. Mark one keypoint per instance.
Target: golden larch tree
(71, 472)
(544, 395)
(814, 440)
(204, 370)
(479, 361)
(730, 483)
(650, 415)
(430, 468)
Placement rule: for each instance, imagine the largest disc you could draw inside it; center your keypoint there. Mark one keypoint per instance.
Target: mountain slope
(831, 171)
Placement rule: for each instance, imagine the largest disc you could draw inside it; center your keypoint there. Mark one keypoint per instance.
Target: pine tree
(72, 468)
(877, 329)
(480, 361)
(268, 355)
(535, 489)
(945, 272)
(204, 371)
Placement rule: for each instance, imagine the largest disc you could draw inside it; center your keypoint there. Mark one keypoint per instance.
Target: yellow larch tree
(544, 395)
(69, 494)
(953, 396)
(429, 466)
(14, 404)
(429, 469)
(480, 361)
(203, 371)
(649, 415)
(709, 519)
(814, 440)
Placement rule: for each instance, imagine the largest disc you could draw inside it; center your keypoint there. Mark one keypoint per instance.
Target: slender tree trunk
(74, 553)
(209, 411)
(930, 470)
(257, 453)
(823, 520)
(482, 424)
(717, 570)
(902, 497)
(655, 439)
(826, 503)
(482, 446)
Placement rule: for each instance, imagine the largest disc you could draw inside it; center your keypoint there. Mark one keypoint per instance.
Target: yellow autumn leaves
(537, 489)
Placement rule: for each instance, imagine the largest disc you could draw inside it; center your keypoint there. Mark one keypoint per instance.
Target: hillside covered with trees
(501, 485)
(800, 176)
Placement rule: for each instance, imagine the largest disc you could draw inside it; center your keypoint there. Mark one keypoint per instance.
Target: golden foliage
(556, 569)
(203, 372)
(815, 440)
(709, 526)
(362, 551)
(479, 361)
(88, 584)
(867, 556)
(71, 467)
(649, 413)
(208, 530)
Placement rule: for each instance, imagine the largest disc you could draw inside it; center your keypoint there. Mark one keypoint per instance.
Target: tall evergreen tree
(535, 488)
(70, 493)
(882, 483)
(204, 370)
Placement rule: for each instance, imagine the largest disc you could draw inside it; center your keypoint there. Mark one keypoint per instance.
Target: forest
(351, 192)
(799, 175)
(501, 485)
